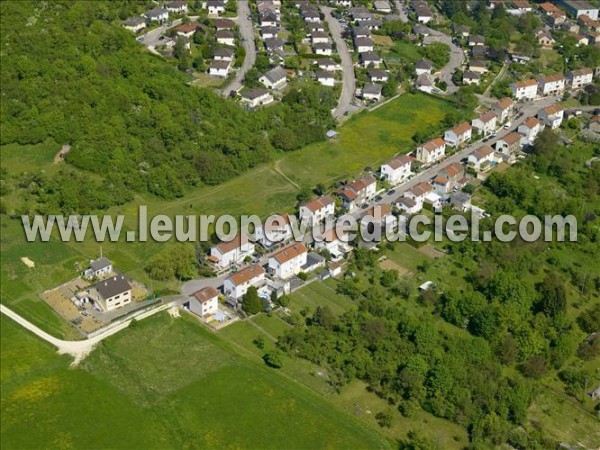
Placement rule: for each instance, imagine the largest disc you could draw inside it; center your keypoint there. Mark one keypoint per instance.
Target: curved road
(457, 57)
(247, 35)
(349, 82)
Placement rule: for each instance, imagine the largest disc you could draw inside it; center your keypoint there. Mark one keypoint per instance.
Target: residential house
(317, 210)
(215, 7)
(378, 75)
(112, 293)
(323, 48)
(225, 37)
(409, 205)
(552, 84)
(579, 78)
(552, 116)
(529, 129)
(458, 135)
(231, 252)
(134, 24)
(273, 46)
(269, 32)
(224, 24)
(431, 151)
(177, 7)
(486, 123)
(236, 285)
(312, 16)
(423, 14)
(594, 124)
(418, 194)
(334, 244)
(423, 66)
(421, 30)
(451, 177)
(275, 79)
(357, 192)
(370, 60)
(476, 41)
(548, 8)
(289, 261)
(504, 109)
(224, 54)
(525, 90)
(187, 29)
(319, 37)
(268, 19)
(589, 23)
(478, 65)
(159, 15)
(204, 303)
(220, 68)
(482, 158)
(98, 268)
(275, 230)
(371, 91)
(256, 97)
(325, 78)
(360, 32)
(363, 44)
(461, 201)
(327, 64)
(509, 146)
(577, 8)
(424, 82)
(544, 38)
(461, 30)
(382, 6)
(557, 19)
(470, 77)
(519, 7)
(396, 170)
(382, 216)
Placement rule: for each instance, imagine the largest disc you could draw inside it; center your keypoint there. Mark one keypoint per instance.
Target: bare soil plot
(431, 251)
(388, 264)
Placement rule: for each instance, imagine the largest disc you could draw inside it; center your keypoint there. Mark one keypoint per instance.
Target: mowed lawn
(165, 383)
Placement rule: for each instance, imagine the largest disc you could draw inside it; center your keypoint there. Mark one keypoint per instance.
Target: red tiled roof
(461, 128)
(505, 103)
(399, 161)
(226, 247)
(319, 203)
(433, 144)
(488, 116)
(290, 252)
(247, 274)
(526, 83)
(531, 122)
(206, 294)
(512, 138)
(483, 151)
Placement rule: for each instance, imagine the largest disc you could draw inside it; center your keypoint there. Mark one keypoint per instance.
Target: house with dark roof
(112, 293)
(275, 79)
(134, 24)
(98, 268)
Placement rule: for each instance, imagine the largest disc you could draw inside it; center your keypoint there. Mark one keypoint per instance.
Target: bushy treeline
(70, 72)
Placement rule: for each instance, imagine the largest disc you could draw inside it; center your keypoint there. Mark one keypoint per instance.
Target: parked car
(391, 192)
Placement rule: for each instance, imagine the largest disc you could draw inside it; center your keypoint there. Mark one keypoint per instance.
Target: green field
(167, 383)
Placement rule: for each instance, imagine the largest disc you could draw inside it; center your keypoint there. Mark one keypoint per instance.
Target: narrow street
(457, 57)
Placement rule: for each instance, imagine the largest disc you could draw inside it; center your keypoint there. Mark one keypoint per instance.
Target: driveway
(348, 80)
(247, 36)
(457, 57)
(151, 38)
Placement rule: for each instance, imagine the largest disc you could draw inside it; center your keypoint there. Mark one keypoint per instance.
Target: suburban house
(423, 13)
(325, 78)
(236, 285)
(359, 32)
(134, 24)
(378, 76)
(204, 303)
(256, 97)
(578, 8)
(431, 151)
(552, 84)
(525, 90)
(419, 192)
(177, 7)
(461, 201)
(323, 48)
(370, 60)
(458, 135)
(589, 23)
(519, 7)
(328, 64)
(424, 83)
(274, 231)
(289, 261)
(552, 116)
(274, 79)
(268, 19)
(372, 91)
(545, 39)
(382, 6)
(215, 7)
(224, 54)
(157, 15)
(455, 173)
(382, 216)
(421, 30)
(529, 129)
(409, 205)
(312, 16)
(224, 24)
(548, 8)
(397, 170)
(470, 77)
(187, 29)
(273, 45)
(225, 37)
(232, 252)
(220, 68)
(113, 293)
(317, 26)
(461, 30)
(98, 268)
(476, 40)
(478, 65)
(482, 158)
(423, 66)
(510, 145)
(503, 109)
(317, 210)
(319, 37)
(557, 19)
(269, 32)
(579, 78)
(357, 192)
(331, 243)
(486, 123)
(363, 44)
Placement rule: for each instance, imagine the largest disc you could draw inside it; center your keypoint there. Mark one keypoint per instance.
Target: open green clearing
(166, 383)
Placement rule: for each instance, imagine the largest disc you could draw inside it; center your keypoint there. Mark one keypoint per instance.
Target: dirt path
(278, 171)
(60, 156)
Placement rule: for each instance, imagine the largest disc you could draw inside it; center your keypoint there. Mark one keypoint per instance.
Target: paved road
(247, 35)
(402, 12)
(151, 38)
(349, 82)
(457, 57)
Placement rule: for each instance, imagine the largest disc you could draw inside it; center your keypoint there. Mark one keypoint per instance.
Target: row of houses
(224, 56)
(555, 84)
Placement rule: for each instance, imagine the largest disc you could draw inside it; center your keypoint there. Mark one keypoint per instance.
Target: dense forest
(71, 73)
(476, 349)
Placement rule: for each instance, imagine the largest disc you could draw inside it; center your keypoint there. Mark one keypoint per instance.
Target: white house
(156, 15)
(219, 68)
(113, 293)
(187, 29)
(378, 76)
(323, 48)
(486, 123)
(470, 77)
(372, 91)
(317, 210)
(397, 170)
(363, 44)
(423, 14)
(370, 59)
(256, 97)
(232, 252)
(224, 54)
(325, 78)
(382, 6)
(275, 78)
(98, 268)
(177, 7)
(418, 193)
(552, 85)
(431, 151)
(458, 135)
(225, 37)
(215, 7)
(134, 24)
(289, 261)
(580, 78)
(503, 109)
(424, 83)
(423, 66)
(529, 129)
(481, 158)
(409, 205)
(331, 243)
(275, 230)
(205, 302)
(509, 146)
(552, 116)
(327, 64)
(269, 32)
(236, 285)
(525, 90)
(319, 37)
